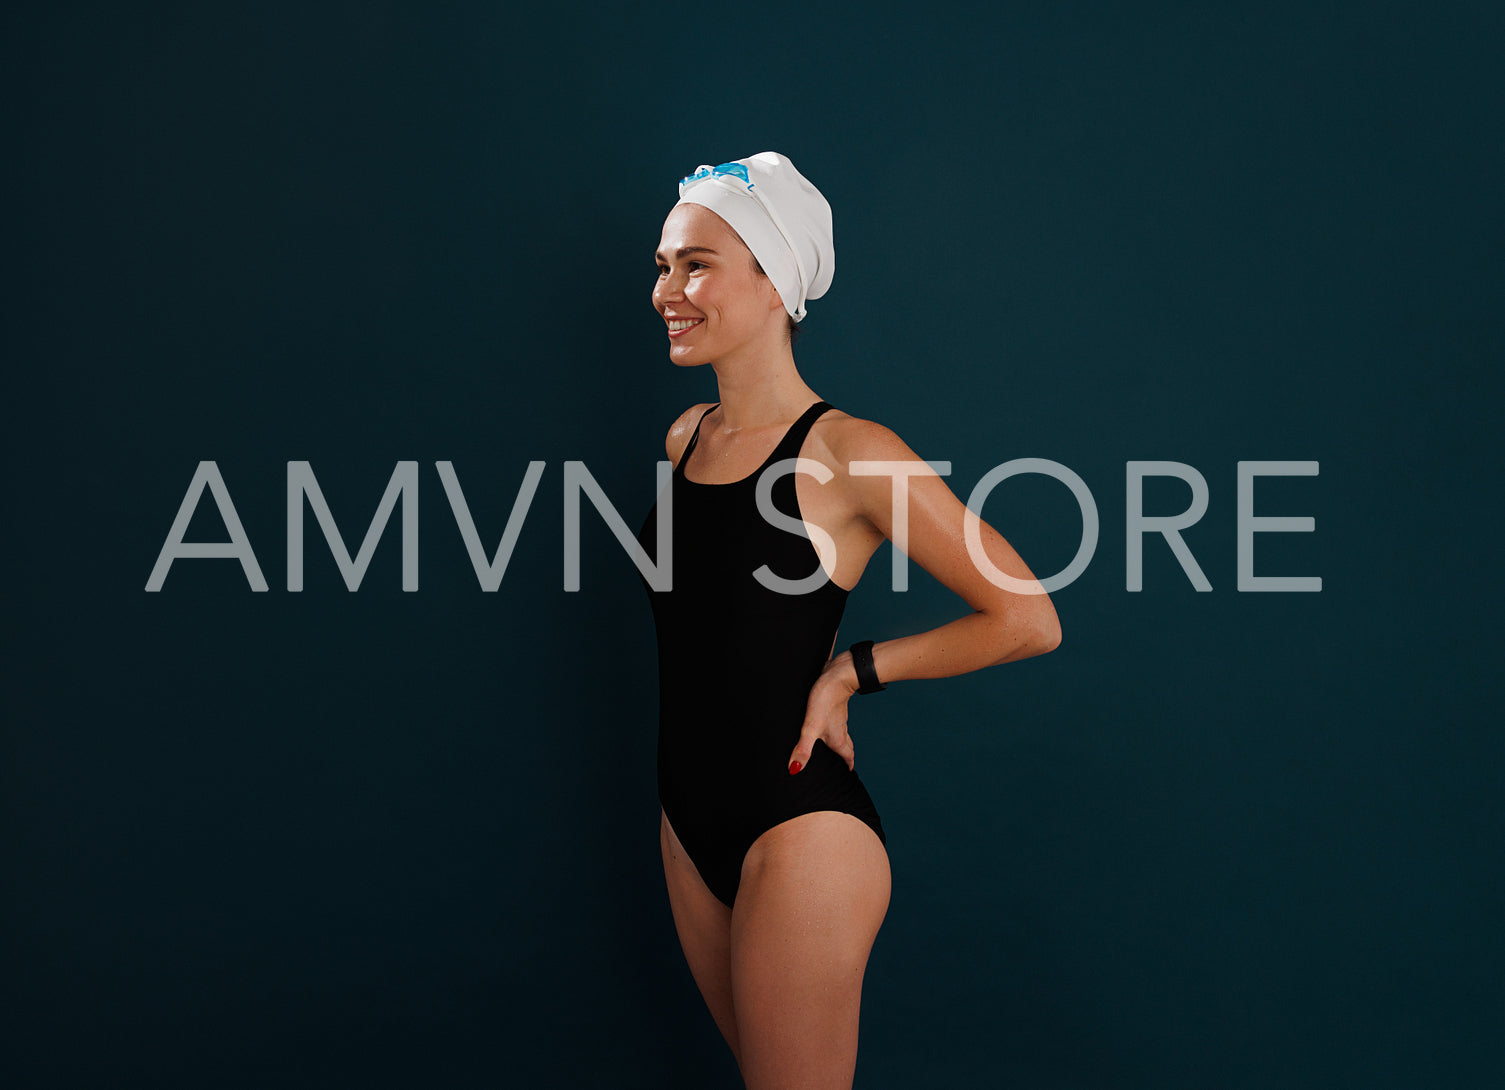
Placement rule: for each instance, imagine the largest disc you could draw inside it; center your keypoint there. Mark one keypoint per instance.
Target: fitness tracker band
(867, 673)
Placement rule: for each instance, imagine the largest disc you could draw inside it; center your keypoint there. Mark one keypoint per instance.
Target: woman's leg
(814, 892)
(704, 926)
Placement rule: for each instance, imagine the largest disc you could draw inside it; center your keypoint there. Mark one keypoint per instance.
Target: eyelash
(662, 269)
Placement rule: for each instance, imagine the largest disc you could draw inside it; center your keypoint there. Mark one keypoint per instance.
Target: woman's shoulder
(847, 438)
(682, 428)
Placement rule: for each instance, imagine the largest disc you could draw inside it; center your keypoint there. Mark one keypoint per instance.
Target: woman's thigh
(704, 927)
(814, 892)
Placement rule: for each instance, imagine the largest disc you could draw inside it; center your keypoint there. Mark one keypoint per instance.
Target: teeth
(677, 324)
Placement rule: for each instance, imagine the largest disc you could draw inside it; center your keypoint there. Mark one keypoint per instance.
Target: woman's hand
(826, 714)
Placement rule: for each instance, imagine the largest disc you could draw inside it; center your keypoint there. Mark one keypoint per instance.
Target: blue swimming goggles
(735, 170)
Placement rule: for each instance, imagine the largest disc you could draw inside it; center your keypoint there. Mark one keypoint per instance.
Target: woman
(773, 853)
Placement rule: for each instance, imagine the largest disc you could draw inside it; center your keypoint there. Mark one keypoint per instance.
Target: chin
(685, 359)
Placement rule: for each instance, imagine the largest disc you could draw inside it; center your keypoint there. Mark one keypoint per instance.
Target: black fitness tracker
(867, 673)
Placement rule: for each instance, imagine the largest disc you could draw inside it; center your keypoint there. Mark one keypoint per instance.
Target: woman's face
(709, 292)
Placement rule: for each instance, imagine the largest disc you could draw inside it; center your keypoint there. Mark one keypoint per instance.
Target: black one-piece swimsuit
(736, 661)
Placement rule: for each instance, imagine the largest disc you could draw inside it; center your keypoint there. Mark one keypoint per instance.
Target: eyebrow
(688, 250)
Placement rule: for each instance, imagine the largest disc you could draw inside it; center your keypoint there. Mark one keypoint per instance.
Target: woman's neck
(761, 392)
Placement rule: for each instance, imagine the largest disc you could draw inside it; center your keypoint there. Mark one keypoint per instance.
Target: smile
(680, 325)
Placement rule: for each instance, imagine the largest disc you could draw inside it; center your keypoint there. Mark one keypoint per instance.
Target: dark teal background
(387, 839)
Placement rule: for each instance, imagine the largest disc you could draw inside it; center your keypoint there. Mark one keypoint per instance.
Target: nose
(669, 288)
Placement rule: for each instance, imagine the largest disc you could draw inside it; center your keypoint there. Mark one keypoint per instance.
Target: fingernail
(794, 766)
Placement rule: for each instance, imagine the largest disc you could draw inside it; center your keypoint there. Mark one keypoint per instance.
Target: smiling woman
(711, 295)
(773, 851)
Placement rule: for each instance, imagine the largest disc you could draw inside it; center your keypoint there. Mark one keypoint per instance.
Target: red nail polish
(794, 766)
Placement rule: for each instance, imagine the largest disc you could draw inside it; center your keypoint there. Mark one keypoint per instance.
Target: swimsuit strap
(794, 438)
(788, 446)
(694, 437)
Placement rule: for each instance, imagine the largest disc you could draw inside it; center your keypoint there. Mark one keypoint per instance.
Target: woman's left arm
(1005, 625)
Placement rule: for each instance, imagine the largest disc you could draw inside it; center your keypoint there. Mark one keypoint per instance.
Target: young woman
(773, 852)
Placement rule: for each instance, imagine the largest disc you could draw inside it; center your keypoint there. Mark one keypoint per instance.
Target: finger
(801, 755)
(846, 749)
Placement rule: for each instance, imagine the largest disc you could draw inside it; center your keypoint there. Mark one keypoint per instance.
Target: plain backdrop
(392, 839)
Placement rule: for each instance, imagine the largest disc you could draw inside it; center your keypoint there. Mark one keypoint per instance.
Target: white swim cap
(780, 216)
